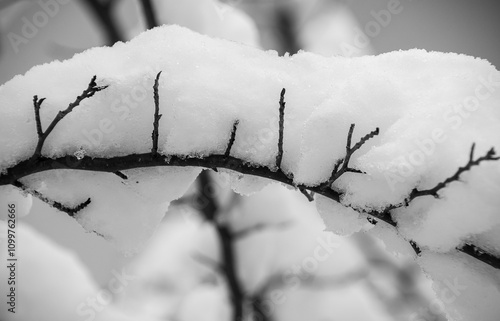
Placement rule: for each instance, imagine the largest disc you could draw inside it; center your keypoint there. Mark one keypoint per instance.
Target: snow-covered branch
(221, 112)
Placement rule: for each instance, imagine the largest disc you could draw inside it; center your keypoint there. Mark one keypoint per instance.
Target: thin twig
(344, 164)
(156, 121)
(36, 105)
(480, 254)
(415, 247)
(92, 88)
(489, 156)
(232, 138)
(120, 174)
(71, 211)
(279, 157)
(308, 195)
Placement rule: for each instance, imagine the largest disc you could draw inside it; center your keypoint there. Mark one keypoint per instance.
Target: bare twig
(71, 211)
(309, 196)
(156, 121)
(279, 157)
(342, 166)
(37, 103)
(120, 174)
(489, 156)
(232, 138)
(92, 88)
(415, 247)
(480, 254)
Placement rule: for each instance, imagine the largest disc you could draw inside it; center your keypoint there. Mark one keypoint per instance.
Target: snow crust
(430, 108)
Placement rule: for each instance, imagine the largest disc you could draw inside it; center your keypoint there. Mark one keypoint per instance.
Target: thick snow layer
(49, 278)
(125, 212)
(53, 284)
(11, 195)
(467, 289)
(430, 108)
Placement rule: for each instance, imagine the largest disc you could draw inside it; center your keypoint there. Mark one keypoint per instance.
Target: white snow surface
(466, 288)
(430, 108)
(51, 283)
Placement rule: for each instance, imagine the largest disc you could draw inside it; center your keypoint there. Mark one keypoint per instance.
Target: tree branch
(71, 211)
(92, 88)
(156, 121)
(149, 14)
(489, 156)
(279, 157)
(232, 138)
(104, 14)
(38, 163)
(226, 239)
(309, 196)
(229, 263)
(336, 173)
(121, 175)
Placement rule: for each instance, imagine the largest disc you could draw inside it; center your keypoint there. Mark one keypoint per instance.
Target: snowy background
(167, 282)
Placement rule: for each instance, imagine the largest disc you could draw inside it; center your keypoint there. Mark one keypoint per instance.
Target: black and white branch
(39, 163)
(489, 156)
(281, 129)
(209, 210)
(121, 175)
(71, 211)
(232, 138)
(156, 121)
(306, 193)
(92, 88)
(342, 166)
